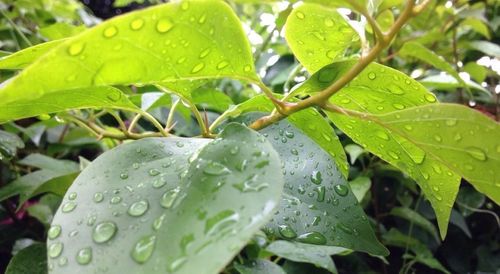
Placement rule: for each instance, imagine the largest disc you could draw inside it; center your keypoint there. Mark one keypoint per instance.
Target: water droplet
(321, 193)
(76, 48)
(287, 232)
(451, 122)
(316, 177)
(430, 98)
(158, 222)
(382, 135)
(408, 127)
(398, 106)
(98, 197)
(215, 168)
(84, 256)
(438, 138)
(164, 25)
(300, 15)
(62, 261)
(314, 237)
(202, 19)
(393, 155)
(176, 264)
(55, 250)
(115, 200)
(198, 68)
(159, 182)
(143, 249)
(124, 176)
(154, 172)
(68, 207)
(476, 153)
(137, 24)
(168, 198)
(138, 208)
(72, 196)
(104, 231)
(204, 53)
(341, 190)
(220, 221)
(329, 22)
(247, 68)
(222, 65)
(110, 31)
(372, 75)
(54, 232)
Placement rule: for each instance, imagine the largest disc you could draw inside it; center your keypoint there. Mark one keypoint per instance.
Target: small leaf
(448, 83)
(9, 143)
(485, 47)
(148, 208)
(30, 260)
(318, 35)
(259, 266)
(306, 253)
(417, 219)
(211, 99)
(360, 186)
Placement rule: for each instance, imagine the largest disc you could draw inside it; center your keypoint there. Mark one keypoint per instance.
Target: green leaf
(318, 35)
(341, 3)
(377, 90)
(306, 253)
(259, 266)
(418, 51)
(30, 260)
(92, 97)
(9, 143)
(292, 267)
(211, 99)
(354, 151)
(485, 47)
(447, 82)
(165, 43)
(21, 59)
(148, 209)
(360, 186)
(318, 206)
(448, 133)
(476, 71)
(417, 219)
(60, 30)
(469, 199)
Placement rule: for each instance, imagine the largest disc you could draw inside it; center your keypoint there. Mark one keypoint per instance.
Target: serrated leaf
(166, 43)
(92, 97)
(318, 35)
(259, 266)
(306, 253)
(30, 260)
(149, 209)
(318, 206)
(377, 90)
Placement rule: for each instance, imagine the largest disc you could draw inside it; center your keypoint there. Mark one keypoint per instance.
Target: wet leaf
(144, 205)
(30, 260)
(318, 35)
(259, 266)
(21, 59)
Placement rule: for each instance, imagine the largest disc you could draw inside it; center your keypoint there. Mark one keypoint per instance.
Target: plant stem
(321, 98)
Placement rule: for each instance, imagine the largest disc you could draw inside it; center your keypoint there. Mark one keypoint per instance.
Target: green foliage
(210, 136)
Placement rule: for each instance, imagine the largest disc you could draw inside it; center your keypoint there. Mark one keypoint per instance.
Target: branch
(321, 98)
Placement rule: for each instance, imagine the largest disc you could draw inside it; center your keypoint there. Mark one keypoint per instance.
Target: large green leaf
(463, 140)
(30, 260)
(92, 97)
(318, 206)
(306, 253)
(142, 207)
(318, 35)
(185, 40)
(377, 90)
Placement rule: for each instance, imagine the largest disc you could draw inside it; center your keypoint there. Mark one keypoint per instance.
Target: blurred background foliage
(47, 151)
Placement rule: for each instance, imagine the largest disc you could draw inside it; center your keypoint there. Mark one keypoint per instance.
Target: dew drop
(68, 207)
(84, 256)
(476, 153)
(300, 15)
(159, 182)
(204, 53)
(222, 65)
(198, 68)
(316, 177)
(393, 155)
(138, 208)
(398, 106)
(329, 22)
(104, 231)
(54, 232)
(98, 197)
(137, 24)
(287, 232)
(438, 138)
(372, 75)
(220, 221)
(55, 250)
(143, 249)
(110, 31)
(115, 200)
(247, 68)
(215, 168)
(164, 25)
(430, 98)
(72, 196)
(123, 176)
(154, 172)
(76, 48)
(382, 135)
(168, 198)
(341, 190)
(451, 122)
(314, 237)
